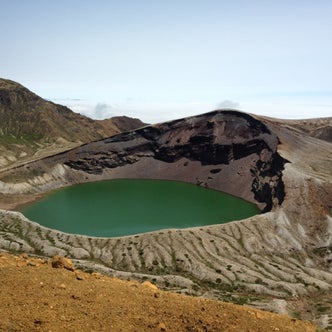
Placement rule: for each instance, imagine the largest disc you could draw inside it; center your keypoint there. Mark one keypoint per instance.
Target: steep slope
(318, 128)
(25, 115)
(46, 299)
(29, 124)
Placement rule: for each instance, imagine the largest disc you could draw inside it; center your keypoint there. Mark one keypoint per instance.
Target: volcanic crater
(282, 253)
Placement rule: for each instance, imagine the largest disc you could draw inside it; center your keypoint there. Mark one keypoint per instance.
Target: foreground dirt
(37, 297)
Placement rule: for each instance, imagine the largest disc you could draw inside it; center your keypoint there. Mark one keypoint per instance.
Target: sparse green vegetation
(296, 314)
(321, 308)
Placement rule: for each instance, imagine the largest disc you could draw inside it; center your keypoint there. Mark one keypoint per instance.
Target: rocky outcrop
(60, 262)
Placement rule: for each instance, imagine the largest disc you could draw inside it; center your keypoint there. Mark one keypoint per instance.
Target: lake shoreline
(16, 201)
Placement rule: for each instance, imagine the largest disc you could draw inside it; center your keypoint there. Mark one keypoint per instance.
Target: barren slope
(35, 297)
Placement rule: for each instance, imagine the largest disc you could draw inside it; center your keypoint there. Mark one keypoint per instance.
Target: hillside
(278, 260)
(51, 299)
(30, 125)
(320, 128)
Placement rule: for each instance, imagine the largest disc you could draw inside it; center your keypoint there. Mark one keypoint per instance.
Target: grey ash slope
(284, 253)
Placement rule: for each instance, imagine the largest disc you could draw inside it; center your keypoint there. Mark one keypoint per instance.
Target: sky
(162, 60)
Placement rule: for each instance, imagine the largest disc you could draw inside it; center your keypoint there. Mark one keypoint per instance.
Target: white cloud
(94, 110)
(228, 104)
(149, 112)
(102, 111)
(157, 111)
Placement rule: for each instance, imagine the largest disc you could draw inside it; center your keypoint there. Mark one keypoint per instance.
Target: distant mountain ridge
(27, 119)
(23, 113)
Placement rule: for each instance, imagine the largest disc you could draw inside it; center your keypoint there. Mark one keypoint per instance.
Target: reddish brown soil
(37, 297)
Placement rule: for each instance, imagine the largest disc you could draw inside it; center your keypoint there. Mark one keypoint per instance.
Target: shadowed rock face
(224, 150)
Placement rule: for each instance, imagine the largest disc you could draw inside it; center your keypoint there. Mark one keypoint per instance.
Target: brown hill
(320, 128)
(37, 297)
(29, 124)
(121, 123)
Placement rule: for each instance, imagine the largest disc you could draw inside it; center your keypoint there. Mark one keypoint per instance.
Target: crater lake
(125, 207)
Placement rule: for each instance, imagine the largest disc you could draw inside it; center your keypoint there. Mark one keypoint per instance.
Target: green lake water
(125, 207)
